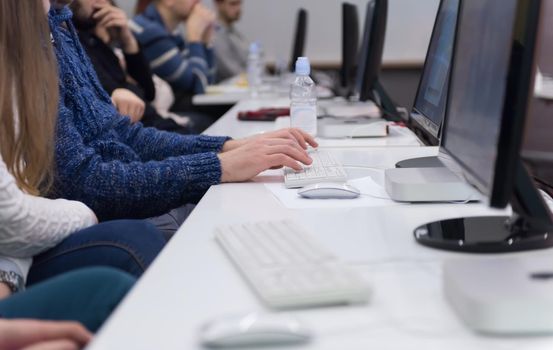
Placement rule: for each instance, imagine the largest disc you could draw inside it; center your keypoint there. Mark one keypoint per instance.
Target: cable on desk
(362, 167)
(378, 197)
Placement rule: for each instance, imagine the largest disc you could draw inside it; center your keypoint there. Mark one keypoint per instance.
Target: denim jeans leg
(127, 245)
(169, 223)
(86, 295)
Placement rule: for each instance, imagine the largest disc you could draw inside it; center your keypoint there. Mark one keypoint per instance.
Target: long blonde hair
(28, 94)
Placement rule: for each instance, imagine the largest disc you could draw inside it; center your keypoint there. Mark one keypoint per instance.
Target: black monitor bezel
(350, 46)
(428, 136)
(511, 129)
(371, 52)
(300, 37)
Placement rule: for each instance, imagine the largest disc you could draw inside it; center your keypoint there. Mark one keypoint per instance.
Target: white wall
(272, 23)
(127, 5)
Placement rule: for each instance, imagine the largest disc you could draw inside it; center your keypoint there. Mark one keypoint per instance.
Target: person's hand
(127, 103)
(42, 335)
(301, 137)
(260, 154)
(209, 35)
(116, 22)
(5, 291)
(200, 20)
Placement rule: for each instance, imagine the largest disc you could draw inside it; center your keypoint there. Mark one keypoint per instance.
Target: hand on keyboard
(245, 159)
(325, 168)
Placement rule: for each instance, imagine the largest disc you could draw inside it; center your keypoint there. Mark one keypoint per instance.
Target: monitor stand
(423, 162)
(529, 227)
(389, 108)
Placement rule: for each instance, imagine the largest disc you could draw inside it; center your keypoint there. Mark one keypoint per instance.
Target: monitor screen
(367, 84)
(478, 87)
(298, 46)
(350, 44)
(365, 47)
(537, 148)
(429, 108)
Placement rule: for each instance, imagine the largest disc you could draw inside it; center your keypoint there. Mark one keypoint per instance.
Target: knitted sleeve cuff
(202, 171)
(205, 143)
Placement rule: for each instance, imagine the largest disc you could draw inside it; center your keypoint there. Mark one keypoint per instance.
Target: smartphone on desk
(264, 114)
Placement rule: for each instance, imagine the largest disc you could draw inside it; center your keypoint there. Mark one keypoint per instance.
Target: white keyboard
(288, 268)
(325, 168)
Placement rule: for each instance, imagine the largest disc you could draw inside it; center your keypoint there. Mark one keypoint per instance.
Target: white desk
(193, 281)
(229, 125)
(231, 92)
(228, 92)
(228, 98)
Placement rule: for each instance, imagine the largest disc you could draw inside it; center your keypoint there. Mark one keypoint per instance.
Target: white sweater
(30, 225)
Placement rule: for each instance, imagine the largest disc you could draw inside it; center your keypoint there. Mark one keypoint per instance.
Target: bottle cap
(255, 47)
(302, 66)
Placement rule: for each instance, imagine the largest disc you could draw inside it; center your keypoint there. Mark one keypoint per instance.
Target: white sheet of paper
(544, 86)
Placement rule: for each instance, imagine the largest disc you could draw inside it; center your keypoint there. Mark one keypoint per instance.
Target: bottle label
(305, 118)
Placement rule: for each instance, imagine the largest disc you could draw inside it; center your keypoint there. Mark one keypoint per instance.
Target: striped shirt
(187, 67)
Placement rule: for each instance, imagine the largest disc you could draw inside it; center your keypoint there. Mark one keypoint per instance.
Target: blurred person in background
(231, 47)
(121, 67)
(186, 61)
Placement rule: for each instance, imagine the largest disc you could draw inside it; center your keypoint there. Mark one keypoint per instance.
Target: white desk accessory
(329, 190)
(356, 127)
(506, 296)
(352, 109)
(288, 268)
(254, 329)
(427, 185)
(544, 86)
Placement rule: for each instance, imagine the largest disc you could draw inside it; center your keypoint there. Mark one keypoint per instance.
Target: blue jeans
(87, 296)
(169, 223)
(127, 245)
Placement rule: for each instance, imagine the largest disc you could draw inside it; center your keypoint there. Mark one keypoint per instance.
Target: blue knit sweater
(118, 169)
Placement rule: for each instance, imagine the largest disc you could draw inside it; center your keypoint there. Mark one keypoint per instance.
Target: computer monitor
(537, 150)
(429, 108)
(350, 44)
(298, 47)
(490, 85)
(428, 113)
(367, 84)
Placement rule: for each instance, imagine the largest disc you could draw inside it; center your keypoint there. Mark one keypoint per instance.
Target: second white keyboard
(287, 267)
(325, 168)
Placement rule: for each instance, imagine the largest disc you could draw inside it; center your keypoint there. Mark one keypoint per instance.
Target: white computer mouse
(254, 329)
(329, 190)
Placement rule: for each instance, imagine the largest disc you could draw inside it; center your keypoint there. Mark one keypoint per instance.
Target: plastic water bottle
(303, 99)
(254, 68)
